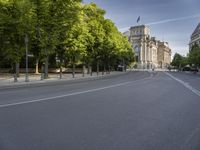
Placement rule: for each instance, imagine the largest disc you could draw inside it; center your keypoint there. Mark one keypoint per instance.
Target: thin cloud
(165, 21)
(173, 19)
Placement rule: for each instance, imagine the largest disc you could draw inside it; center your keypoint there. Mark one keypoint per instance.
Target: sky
(172, 21)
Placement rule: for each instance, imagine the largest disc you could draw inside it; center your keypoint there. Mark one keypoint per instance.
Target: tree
(94, 16)
(15, 25)
(63, 30)
(53, 20)
(40, 11)
(115, 46)
(194, 56)
(76, 44)
(179, 61)
(69, 31)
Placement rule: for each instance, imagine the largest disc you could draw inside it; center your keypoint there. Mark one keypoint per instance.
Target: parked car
(186, 69)
(194, 69)
(120, 68)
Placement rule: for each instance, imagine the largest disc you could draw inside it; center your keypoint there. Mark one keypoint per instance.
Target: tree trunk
(61, 62)
(37, 66)
(123, 69)
(60, 71)
(109, 67)
(46, 70)
(104, 68)
(17, 69)
(73, 70)
(42, 72)
(83, 71)
(15, 72)
(90, 70)
(97, 68)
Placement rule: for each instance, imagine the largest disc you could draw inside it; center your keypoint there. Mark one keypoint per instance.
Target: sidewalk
(7, 80)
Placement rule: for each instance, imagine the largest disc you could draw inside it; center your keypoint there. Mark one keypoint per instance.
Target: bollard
(42, 72)
(15, 77)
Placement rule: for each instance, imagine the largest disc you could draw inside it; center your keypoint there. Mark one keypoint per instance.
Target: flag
(138, 19)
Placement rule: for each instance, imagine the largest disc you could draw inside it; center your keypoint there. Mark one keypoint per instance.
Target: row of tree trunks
(45, 70)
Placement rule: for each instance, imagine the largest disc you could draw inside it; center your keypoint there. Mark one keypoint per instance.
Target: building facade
(164, 55)
(195, 37)
(149, 52)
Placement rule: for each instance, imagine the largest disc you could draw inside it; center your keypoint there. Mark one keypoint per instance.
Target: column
(145, 52)
(145, 55)
(141, 53)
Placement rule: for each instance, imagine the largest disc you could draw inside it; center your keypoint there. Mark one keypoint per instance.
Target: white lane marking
(71, 94)
(185, 84)
(190, 137)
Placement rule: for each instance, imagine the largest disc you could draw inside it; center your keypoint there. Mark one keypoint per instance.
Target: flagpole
(138, 21)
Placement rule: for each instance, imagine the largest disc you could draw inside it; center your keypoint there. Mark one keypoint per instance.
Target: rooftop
(197, 30)
(139, 26)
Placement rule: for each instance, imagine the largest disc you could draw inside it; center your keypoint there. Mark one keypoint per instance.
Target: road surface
(133, 111)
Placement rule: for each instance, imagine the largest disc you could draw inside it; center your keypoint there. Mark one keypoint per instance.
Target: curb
(59, 81)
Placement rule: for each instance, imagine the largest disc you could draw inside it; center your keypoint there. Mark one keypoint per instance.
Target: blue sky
(169, 20)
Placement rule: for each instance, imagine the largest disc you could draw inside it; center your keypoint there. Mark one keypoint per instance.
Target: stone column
(141, 52)
(151, 54)
(145, 52)
(145, 55)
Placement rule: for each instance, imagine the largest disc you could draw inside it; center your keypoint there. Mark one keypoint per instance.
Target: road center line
(185, 84)
(71, 94)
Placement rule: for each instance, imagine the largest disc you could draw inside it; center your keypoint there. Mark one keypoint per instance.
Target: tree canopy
(64, 30)
(194, 56)
(179, 61)
(192, 59)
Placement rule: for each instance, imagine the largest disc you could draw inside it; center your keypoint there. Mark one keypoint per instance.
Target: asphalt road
(133, 111)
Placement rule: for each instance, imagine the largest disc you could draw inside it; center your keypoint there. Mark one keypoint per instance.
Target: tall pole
(26, 43)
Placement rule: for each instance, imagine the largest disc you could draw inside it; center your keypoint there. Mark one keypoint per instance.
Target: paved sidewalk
(8, 79)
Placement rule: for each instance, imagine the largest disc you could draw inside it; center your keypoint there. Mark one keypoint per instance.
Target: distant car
(194, 69)
(186, 69)
(120, 68)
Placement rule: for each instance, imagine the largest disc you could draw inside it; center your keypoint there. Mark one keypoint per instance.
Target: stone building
(164, 55)
(195, 37)
(149, 52)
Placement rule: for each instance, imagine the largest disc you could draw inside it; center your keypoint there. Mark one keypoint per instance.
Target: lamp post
(26, 43)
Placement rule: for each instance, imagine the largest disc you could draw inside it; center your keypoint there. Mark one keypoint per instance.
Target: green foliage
(106, 44)
(66, 29)
(194, 56)
(14, 24)
(192, 59)
(179, 61)
(94, 17)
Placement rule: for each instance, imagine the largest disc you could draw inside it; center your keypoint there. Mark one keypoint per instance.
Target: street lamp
(26, 43)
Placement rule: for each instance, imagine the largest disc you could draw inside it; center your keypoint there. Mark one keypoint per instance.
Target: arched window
(137, 53)
(137, 49)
